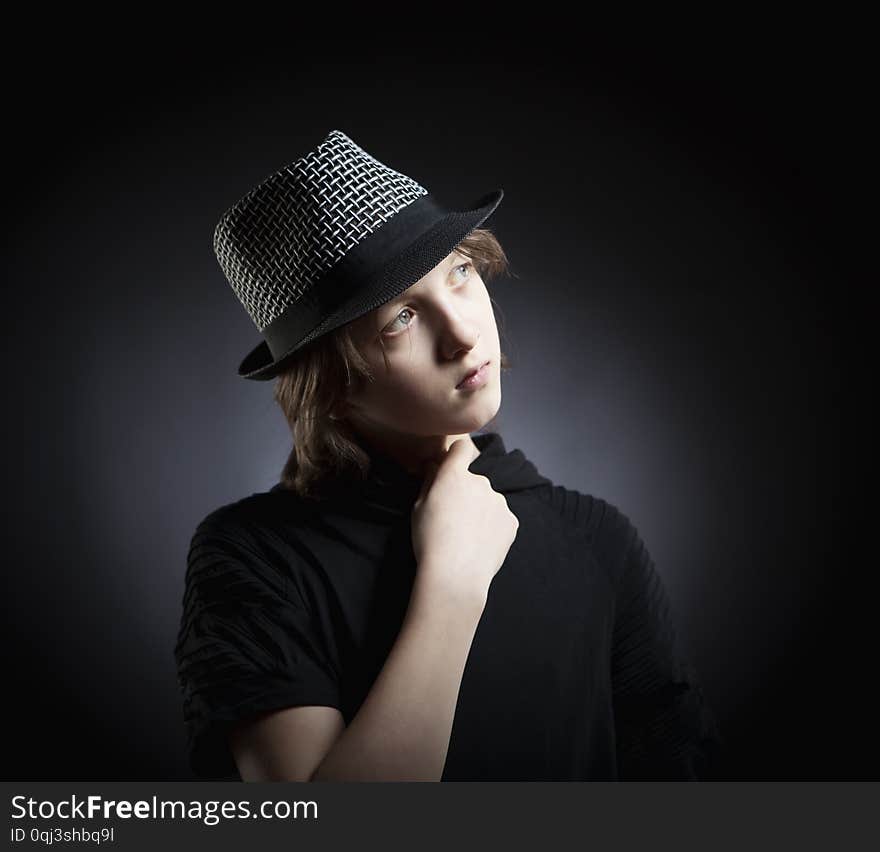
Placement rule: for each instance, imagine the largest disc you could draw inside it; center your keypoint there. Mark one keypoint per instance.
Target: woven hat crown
(276, 243)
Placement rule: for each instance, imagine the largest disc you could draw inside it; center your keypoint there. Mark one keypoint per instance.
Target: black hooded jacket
(575, 672)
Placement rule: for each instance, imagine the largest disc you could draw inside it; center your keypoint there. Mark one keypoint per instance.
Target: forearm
(401, 731)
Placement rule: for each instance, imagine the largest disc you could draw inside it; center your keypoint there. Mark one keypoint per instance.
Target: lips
(473, 372)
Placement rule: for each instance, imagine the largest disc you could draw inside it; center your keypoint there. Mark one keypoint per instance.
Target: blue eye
(391, 329)
(404, 311)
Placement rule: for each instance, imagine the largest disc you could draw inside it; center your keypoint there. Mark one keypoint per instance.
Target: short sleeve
(665, 730)
(246, 645)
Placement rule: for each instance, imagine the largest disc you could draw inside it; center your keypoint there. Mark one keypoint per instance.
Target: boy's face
(434, 333)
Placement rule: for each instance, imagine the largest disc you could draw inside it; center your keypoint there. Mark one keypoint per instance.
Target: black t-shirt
(576, 671)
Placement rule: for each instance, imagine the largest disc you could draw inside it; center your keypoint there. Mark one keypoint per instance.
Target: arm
(665, 729)
(401, 731)
(461, 530)
(285, 745)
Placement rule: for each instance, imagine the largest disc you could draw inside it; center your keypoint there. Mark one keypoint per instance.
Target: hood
(507, 471)
(392, 486)
(389, 486)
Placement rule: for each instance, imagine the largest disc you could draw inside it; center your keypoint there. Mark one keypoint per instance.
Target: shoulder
(253, 517)
(608, 529)
(236, 545)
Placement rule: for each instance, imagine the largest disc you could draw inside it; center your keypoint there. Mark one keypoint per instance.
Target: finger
(463, 451)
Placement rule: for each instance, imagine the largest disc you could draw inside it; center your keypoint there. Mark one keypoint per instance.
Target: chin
(460, 417)
(482, 415)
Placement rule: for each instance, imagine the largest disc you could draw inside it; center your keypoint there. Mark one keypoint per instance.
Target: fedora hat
(328, 238)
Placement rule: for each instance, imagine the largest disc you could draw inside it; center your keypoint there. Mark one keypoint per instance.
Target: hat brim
(416, 261)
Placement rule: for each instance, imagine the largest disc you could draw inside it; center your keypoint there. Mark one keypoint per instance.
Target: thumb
(463, 451)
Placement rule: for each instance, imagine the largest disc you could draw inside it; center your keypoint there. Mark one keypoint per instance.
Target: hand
(462, 529)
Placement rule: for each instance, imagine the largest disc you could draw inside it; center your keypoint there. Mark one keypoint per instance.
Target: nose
(457, 334)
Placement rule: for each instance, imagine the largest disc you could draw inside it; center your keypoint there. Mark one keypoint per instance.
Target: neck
(411, 452)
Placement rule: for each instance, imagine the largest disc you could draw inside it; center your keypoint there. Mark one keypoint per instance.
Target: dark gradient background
(671, 318)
